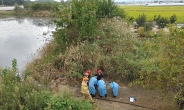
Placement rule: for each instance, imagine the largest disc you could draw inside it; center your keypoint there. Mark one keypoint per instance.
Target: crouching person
(114, 86)
(84, 88)
(92, 83)
(102, 88)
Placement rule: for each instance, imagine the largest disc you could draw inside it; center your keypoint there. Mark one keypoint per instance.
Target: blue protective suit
(114, 86)
(92, 82)
(101, 88)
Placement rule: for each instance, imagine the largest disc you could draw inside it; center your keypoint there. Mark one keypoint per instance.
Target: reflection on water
(21, 38)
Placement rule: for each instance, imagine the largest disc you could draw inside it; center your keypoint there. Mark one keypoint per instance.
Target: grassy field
(165, 11)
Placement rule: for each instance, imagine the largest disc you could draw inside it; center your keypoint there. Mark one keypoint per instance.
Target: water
(22, 39)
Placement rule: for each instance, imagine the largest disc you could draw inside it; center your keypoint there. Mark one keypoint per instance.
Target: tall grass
(27, 95)
(118, 52)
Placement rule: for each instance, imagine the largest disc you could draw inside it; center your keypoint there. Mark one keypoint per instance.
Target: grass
(165, 11)
(5, 14)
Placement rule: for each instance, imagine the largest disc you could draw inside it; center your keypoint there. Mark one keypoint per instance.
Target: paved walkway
(6, 8)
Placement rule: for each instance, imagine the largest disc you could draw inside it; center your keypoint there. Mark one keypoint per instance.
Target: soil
(145, 100)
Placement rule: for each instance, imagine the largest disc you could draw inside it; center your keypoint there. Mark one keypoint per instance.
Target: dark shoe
(114, 96)
(93, 95)
(105, 95)
(100, 96)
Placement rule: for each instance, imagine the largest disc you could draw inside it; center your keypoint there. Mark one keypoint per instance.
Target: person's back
(102, 88)
(114, 86)
(92, 83)
(99, 74)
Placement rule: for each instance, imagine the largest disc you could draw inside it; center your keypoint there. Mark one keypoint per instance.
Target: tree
(141, 20)
(78, 20)
(173, 19)
(12, 2)
(161, 21)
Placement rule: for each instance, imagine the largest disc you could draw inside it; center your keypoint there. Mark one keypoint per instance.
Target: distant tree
(12, 2)
(141, 20)
(156, 18)
(161, 21)
(107, 8)
(173, 19)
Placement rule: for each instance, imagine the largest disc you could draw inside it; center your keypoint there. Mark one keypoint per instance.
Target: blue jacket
(101, 88)
(114, 86)
(92, 82)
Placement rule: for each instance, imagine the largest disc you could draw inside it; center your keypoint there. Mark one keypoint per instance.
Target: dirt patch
(145, 100)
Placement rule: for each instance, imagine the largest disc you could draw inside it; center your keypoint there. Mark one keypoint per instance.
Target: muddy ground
(145, 100)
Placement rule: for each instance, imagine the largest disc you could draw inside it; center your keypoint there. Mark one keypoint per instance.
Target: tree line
(11, 2)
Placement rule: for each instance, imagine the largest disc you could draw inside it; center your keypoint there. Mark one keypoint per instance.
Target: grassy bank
(108, 43)
(88, 38)
(31, 9)
(6, 14)
(165, 11)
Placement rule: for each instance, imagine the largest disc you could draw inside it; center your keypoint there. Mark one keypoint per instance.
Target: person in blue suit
(102, 88)
(92, 83)
(114, 86)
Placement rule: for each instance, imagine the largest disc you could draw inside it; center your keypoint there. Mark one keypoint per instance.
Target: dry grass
(5, 14)
(42, 14)
(113, 43)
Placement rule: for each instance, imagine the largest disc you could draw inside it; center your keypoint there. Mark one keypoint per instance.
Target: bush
(161, 21)
(80, 20)
(17, 8)
(36, 6)
(66, 102)
(141, 20)
(27, 95)
(173, 19)
(148, 26)
(162, 64)
(107, 8)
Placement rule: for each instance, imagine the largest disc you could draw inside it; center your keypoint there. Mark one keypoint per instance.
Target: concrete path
(7, 8)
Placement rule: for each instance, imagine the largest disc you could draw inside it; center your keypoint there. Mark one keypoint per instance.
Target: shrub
(161, 21)
(148, 26)
(27, 95)
(36, 6)
(75, 24)
(80, 20)
(173, 19)
(17, 8)
(162, 67)
(107, 8)
(141, 20)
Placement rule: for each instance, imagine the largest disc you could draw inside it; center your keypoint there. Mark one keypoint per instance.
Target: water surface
(22, 38)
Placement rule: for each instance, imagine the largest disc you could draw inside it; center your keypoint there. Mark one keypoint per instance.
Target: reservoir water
(22, 39)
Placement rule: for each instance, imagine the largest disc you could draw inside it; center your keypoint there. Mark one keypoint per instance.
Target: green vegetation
(114, 49)
(165, 11)
(5, 14)
(35, 9)
(92, 36)
(27, 95)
